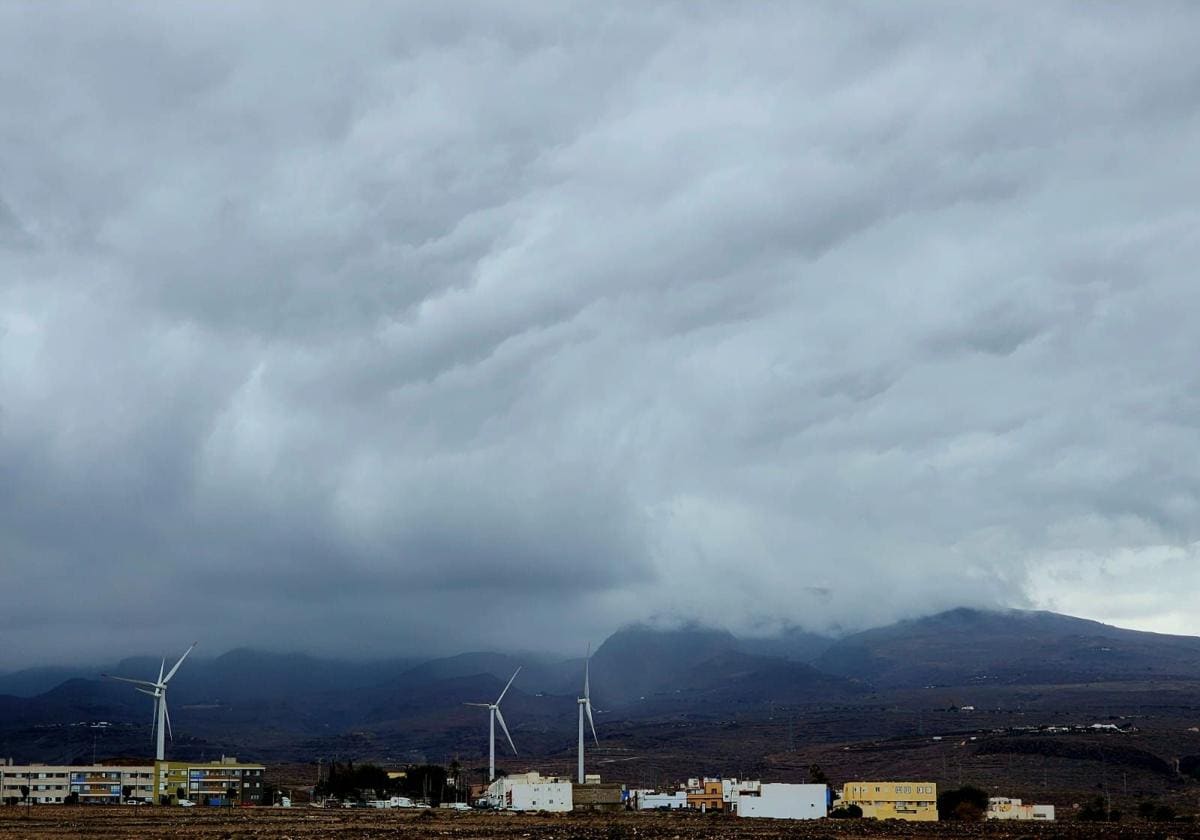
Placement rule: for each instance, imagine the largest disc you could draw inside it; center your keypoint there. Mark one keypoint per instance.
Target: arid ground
(310, 824)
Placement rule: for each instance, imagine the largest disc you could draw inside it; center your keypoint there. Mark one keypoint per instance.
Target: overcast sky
(383, 329)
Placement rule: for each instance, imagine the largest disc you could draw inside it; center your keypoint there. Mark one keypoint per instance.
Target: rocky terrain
(329, 824)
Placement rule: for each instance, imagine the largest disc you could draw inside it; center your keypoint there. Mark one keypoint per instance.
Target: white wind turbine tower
(161, 723)
(585, 705)
(496, 715)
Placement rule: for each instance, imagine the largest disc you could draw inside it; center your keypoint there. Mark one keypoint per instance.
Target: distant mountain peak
(1007, 645)
(690, 629)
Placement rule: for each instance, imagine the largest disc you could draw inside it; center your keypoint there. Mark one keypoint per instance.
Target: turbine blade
(588, 706)
(510, 682)
(167, 715)
(500, 718)
(161, 665)
(128, 680)
(587, 665)
(480, 705)
(180, 662)
(147, 692)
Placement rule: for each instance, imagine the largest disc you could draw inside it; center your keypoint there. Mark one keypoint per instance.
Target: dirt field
(311, 824)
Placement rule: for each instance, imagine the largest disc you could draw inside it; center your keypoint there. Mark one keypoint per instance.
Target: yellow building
(224, 782)
(914, 801)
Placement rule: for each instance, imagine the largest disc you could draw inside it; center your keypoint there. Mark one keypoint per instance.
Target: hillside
(298, 706)
(1014, 647)
(640, 661)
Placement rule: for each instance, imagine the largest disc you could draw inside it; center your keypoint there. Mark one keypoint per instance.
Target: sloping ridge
(1010, 647)
(733, 678)
(639, 661)
(30, 682)
(649, 669)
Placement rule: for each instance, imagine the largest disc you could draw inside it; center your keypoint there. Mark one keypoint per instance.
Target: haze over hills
(953, 647)
(639, 660)
(252, 699)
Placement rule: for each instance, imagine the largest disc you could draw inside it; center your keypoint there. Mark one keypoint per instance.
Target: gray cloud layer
(410, 327)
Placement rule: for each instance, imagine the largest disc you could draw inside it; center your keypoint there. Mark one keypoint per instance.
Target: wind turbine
(585, 705)
(496, 715)
(161, 722)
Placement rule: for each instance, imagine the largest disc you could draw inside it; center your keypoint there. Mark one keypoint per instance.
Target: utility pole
(1104, 780)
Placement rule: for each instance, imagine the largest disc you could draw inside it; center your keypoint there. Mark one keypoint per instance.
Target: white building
(649, 800)
(785, 802)
(1003, 808)
(733, 789)
(530, 792)
(542, 796)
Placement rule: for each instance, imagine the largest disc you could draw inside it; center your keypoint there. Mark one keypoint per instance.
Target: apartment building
(913, 801)
(223, 782)
(96, 784)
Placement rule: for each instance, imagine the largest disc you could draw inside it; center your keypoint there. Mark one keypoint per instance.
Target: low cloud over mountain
(429, 329)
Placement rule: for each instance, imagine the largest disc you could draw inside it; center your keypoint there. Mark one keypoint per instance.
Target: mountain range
(297, 706)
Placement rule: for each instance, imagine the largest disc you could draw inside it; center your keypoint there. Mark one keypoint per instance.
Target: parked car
(186, 803)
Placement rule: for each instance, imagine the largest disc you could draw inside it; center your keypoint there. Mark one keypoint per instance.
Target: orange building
(705, 795)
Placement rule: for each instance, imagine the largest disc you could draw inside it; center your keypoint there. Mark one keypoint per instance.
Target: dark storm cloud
(506, 325)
